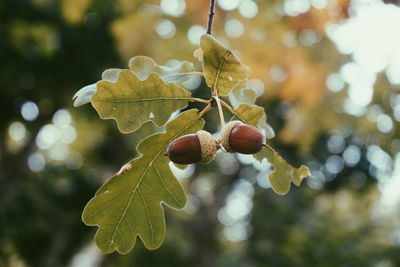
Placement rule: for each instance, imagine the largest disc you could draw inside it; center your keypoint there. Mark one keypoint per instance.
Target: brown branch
(210, 16)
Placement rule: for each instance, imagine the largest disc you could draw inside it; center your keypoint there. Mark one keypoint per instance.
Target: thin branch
(210, 16)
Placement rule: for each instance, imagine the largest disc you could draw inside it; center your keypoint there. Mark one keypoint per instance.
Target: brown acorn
(241, 138)
(192, 148)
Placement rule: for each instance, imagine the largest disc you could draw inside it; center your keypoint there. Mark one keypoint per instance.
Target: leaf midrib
(141, 178)
(141, 100)
(220, 68)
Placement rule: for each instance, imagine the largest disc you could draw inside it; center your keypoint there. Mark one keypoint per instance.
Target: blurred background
(327, 73)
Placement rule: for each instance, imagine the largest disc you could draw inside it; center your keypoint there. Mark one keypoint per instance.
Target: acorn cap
(224, 135)
(208, 146)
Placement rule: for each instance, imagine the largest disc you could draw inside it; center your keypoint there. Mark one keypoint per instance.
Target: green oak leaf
(148, 128)
(131, 102)
(142, 66)
(222, 69)
(180, 166)
(84, 95)
(283, 173)
(129, 205)
(254, 115)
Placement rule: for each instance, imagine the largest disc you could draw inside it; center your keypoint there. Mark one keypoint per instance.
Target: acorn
(192, 148)
(241, 138)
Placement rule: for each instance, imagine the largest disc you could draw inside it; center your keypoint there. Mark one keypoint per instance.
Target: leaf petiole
(228, 107)
(195, 99)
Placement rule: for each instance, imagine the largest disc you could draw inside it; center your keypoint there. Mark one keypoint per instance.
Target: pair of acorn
(201, 147)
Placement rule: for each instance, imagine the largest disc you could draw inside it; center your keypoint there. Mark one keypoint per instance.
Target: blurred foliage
(49, 49)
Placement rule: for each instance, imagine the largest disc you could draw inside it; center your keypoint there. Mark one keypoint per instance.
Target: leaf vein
(148, 216)
(220, 68)
(162, 181)
(108, 204)
(142, 99)
(144, 173)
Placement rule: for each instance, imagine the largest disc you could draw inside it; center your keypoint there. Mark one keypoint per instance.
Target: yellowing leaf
(283, 172)
(249, 114)
(142, 66)
(131, 102)
(84, 95)
(198, 54)
(254, 115)
(129, 205)
(222, 69)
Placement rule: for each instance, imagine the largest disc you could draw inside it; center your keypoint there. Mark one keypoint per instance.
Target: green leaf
(142, 66)
(249, 114)
(254, 115)
(180, 166)
(148, 128)
(131, 102)
(129, 205)
(222, 69)
(84, 95)
(283, 172)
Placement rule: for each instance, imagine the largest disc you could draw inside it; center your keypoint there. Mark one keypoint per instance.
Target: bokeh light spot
(384, 123)
(29, 111)
(228, 4)
(166, 29)
(36, 162)
(248, 9)
(17, 131)
(194, 34)
(234, 28)
(173, 7)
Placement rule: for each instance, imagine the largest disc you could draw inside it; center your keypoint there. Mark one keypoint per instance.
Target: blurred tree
(51, 163)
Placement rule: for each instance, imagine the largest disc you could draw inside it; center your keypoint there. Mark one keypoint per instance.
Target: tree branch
(210, 16)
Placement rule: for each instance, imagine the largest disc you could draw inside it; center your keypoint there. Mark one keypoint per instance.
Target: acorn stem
(220, 111)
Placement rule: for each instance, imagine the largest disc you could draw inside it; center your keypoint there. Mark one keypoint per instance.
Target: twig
(210, 16)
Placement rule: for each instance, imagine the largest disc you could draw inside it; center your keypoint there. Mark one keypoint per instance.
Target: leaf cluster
(130, 203)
